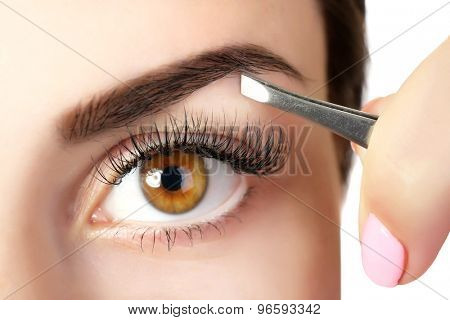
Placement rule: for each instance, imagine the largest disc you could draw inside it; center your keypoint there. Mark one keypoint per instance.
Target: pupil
(172, 178)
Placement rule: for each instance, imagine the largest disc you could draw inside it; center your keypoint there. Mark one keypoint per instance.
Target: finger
(405, 206)
(374, 107)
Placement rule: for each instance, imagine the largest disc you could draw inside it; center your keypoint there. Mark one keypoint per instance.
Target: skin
(283, 249)
(412, 168)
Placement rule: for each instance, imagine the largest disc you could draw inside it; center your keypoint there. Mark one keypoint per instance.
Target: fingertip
(373, 106)
(383, 255)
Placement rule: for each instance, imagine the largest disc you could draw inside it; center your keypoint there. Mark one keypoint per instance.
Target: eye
(179, 188)
(175, 183)
(187, 178)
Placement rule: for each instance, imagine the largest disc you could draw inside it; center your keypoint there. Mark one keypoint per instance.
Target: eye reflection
(174, 183)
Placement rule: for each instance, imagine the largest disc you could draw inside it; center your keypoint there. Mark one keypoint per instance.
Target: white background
(389, 68)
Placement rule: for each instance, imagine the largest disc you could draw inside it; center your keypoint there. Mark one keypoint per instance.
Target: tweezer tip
(253, 89)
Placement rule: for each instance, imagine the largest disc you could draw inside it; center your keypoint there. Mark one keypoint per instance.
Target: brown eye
(174, 183)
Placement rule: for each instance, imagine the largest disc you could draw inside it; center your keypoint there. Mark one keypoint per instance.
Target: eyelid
(252, 149)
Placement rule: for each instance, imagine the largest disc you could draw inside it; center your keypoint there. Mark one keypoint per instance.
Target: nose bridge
(27, 248)
(30, 238)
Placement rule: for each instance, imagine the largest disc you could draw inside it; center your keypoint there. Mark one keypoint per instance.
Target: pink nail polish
(383, 256)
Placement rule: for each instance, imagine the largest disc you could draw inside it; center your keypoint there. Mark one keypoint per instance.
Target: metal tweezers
(351, 124)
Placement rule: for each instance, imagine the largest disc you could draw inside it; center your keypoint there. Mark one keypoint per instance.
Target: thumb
(405, 206)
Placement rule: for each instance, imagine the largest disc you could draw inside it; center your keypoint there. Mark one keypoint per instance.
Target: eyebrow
(165, 86)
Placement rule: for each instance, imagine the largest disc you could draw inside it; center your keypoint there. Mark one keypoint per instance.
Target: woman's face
(67, 232)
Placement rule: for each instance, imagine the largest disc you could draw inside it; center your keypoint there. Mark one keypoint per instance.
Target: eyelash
(254, 149)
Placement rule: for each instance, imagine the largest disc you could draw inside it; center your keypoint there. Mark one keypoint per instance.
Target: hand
(405, 193)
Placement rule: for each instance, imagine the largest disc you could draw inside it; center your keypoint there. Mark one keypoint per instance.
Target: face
(121, 177)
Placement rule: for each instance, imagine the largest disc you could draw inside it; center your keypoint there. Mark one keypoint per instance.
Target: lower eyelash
(168, 235)
(254, 149)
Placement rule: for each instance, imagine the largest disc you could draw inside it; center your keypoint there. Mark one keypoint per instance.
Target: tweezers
(351, 124)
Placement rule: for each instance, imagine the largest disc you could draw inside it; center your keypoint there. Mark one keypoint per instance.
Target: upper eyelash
(252, 149)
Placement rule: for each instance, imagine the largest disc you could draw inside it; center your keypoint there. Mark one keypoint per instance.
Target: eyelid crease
(252, 149)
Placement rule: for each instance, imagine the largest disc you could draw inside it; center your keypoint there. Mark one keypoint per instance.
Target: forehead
(97, 46)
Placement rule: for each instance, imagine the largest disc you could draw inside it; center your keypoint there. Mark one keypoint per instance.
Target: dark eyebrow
(166, 85)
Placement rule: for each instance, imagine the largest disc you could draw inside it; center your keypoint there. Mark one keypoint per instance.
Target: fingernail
(382, 254)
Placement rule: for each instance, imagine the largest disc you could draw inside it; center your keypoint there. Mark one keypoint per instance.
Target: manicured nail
(383, 256)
